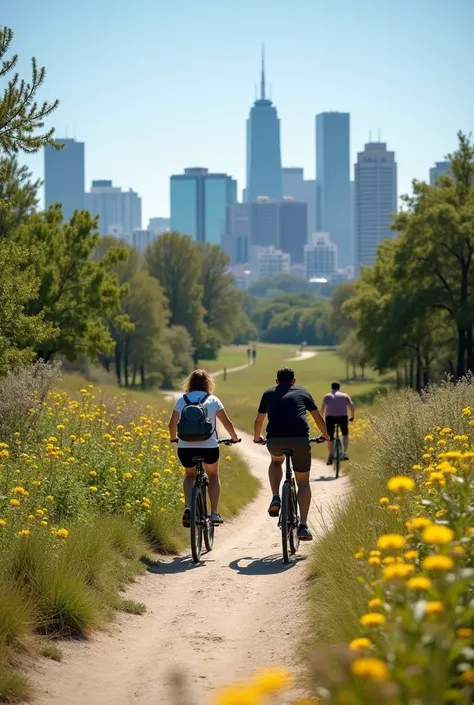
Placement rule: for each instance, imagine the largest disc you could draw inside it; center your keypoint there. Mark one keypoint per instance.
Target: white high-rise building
(320, 257)
(141, 239)
(375, 199)
(118, 211)
(301, 189)
(266, 261)
(439, 169)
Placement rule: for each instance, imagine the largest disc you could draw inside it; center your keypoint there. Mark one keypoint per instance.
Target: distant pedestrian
(249, 352)
(254, 354)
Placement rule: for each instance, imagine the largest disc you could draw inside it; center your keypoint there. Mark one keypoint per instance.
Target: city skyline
(182, 108)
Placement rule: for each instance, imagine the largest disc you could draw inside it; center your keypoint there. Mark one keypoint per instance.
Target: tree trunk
(125, 363)
(354, 372)
(418, 372)
(118, 364)
(461, 361)
(362, 369)
(399, 377)
(135, 370)
(105, 362)
(412, 373)
(142, 376)
(470, 351)
(347, 371)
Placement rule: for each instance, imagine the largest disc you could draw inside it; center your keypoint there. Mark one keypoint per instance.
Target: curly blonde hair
(199, 381)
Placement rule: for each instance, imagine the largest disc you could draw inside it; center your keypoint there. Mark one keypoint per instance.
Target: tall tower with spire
(264, 175)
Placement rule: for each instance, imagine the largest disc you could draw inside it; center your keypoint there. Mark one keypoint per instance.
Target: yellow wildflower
(375, 602)
(438, 562)
(393, 507)
(419, 582)
(3, 522)
(360, 643)
(434, 608)
(390, 542)
(384, 501)
(373, 669)
(372, 619)
(465, 633)
(397, 571)
(24, 532)
(272, 680)
(127, 475)
(19, 490)
(437, 535)
(359, 555)
(93, 489)
(468, 676)
(411, 555)
(400, 483)
(50, 498)
(15, 502)
(62, 533)
(374, 560)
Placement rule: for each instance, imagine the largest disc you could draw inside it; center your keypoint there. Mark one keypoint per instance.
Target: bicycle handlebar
(317, 439)
(225, 441)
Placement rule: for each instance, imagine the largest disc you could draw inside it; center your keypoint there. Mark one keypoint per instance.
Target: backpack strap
(195, 403)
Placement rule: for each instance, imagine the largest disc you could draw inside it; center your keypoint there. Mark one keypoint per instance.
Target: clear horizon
(153, 90)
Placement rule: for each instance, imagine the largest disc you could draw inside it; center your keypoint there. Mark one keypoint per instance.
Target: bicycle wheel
(196, 523)
(337, 459)
(208, 527)
(285, 522)
(294, 522)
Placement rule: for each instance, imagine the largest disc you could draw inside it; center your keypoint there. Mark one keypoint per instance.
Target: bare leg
(345, 442)
(304, 495)
(331, 447)
(188, 484)
(275, 474)
(214, 485)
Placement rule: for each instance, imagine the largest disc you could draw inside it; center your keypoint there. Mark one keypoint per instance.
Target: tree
(176, 262)
(281, 284)
(76, 293)
(245, 330)
(20, 115)
(341, 323)
(437, 246)
(19, 192)
(221, 301)
(314, 325)
(19, 332)
(177, 355)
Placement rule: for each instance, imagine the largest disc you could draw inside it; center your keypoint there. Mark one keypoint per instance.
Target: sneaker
(186, 518)
(330, 460)
(275, 506)
(345, 456)
(216, 519)
(304, 534)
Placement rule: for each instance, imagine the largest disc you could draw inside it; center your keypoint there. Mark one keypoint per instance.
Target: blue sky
(154, 86)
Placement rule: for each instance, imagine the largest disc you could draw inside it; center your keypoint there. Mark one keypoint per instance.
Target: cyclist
(198, 389)
(286, 406)
(334, 410)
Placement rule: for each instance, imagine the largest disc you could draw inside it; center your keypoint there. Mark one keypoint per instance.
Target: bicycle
(289, 519)
(338, 452)
(200, 525)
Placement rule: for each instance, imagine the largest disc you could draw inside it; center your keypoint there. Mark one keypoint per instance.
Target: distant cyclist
(286, 406)
(334, 409)
(194, 417)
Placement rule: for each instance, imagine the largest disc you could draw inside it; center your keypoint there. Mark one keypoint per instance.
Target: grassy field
(242, 390)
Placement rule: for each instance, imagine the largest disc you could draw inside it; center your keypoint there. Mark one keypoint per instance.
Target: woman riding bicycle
(198, 392)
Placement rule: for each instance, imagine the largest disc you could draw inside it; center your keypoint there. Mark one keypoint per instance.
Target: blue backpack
(194, 424)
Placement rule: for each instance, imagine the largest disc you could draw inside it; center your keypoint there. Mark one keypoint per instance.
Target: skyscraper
(301, 189)
(333, 209)
(375, 199)
(64, 176)
(439, 169)
(120, 212)
(263, 147)
(198, 203)
(320, 257)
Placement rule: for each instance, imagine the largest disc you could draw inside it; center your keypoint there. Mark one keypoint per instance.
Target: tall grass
(398, 430)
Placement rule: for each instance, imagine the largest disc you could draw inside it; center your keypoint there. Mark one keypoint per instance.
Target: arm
(228, 425)
(257, 428)
(352, 408)
(320, 423)
(173, 425)
(323, 409)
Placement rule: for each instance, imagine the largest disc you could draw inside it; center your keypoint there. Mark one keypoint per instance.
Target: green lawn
(242, 390)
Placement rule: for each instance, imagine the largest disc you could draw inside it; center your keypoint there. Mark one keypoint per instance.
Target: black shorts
(301, 458)
(331, 422)
(209, 455)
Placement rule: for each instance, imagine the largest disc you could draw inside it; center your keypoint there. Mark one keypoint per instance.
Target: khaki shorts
(301, 458)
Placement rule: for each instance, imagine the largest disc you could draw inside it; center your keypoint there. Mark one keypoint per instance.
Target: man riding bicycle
(286, 405)
(334, 410)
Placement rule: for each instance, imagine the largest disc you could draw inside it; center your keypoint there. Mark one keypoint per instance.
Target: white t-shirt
(212, 406)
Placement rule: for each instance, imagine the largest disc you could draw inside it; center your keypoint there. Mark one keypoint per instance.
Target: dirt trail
(237, 611)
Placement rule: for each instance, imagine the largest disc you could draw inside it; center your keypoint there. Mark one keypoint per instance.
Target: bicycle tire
(293, 531)
(196, 524)
(208, 527)
(337, 464)
(284, 522)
